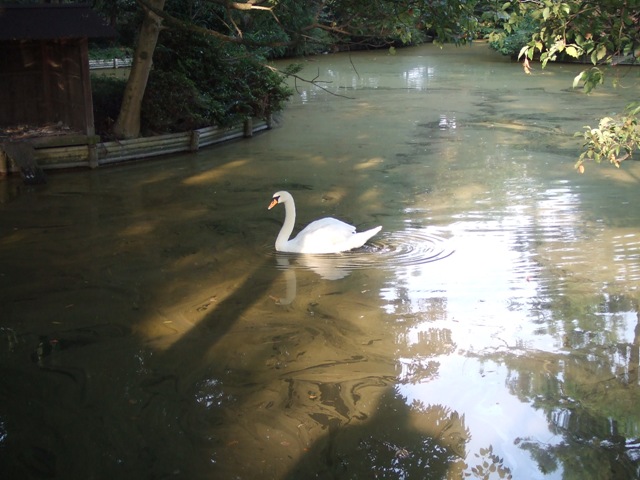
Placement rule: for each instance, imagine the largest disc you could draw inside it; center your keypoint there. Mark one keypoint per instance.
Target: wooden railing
(111, 63)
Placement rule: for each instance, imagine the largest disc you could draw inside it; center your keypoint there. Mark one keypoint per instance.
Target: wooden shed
(45, 86)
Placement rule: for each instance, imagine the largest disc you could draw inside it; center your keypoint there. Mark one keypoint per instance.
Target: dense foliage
(509, 41)
(197, 82)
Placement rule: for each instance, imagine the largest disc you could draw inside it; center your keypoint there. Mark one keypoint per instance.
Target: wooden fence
(111, 63)
(76, 151)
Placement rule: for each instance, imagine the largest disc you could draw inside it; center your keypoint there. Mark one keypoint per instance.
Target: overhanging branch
(177, 23)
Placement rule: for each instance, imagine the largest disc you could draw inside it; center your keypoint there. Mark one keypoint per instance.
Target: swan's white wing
(329, 227)
(327, 235)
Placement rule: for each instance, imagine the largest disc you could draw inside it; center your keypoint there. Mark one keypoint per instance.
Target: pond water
(491, 330)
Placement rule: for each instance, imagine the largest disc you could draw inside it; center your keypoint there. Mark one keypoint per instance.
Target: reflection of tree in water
(487, 465)
(434, 446)
(589, 392)
(402, 441)
(417, 361)
(410, 442)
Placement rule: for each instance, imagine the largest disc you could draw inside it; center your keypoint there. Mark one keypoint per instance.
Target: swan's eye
(277, 199)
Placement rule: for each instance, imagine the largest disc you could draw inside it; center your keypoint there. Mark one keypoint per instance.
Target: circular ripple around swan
(411, 247)
(388, 250)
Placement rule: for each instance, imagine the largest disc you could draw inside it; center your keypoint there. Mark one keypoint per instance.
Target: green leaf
(572, 51)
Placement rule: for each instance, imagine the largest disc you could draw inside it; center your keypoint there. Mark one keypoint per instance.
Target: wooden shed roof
(46, 22)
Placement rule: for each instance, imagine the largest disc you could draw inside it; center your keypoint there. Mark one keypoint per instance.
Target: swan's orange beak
(273, 203)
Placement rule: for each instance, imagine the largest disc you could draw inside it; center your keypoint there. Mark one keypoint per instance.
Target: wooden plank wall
(45, 82)
(21, 92)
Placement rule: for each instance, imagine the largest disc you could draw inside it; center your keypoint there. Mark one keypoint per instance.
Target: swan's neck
(287, 226)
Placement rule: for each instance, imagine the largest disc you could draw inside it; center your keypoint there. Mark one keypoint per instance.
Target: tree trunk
(128, 123)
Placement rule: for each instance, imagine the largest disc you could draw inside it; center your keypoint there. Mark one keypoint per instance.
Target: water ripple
(390, 250)
(413, 246)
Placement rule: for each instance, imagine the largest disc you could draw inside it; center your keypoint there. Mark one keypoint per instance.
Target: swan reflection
(328, 267)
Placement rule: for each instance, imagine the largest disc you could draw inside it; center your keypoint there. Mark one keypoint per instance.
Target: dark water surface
(149, 329)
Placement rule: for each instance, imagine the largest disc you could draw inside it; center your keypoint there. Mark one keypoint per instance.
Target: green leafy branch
(615, 139)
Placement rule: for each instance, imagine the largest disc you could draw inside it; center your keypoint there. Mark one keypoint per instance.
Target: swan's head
(279, 197)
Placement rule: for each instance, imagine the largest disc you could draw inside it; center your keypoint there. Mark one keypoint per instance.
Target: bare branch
(250, 5)
(246, 6)
(233, 22)
(315, 82)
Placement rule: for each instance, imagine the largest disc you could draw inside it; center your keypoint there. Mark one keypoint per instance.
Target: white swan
(327, 235)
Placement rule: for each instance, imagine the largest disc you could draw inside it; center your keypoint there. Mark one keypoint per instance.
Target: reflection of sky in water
(485, 288)
(493, 415)
(491, 297)
(491, 286)
(627, 255)
(419, 77)
(338, 82)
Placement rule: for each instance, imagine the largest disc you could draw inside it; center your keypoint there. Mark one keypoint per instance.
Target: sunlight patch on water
(215, 174)
(626, 254)
(370, 163)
